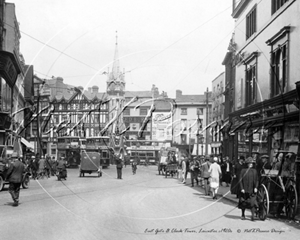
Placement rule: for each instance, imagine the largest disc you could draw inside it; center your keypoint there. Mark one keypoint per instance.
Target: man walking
(194, 167)
(227, 171)
(206, 175)
(14, 177)
(119, 164)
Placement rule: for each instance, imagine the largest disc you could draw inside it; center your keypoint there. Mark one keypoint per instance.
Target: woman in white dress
(183, 169)
(215, 174)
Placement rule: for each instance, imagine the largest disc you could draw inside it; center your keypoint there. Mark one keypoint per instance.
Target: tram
(69, 147)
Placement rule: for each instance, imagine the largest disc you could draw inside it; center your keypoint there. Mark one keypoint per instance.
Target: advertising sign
(162, 126)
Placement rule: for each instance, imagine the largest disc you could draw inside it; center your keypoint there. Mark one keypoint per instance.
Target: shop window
(251, 23)
(277, 4)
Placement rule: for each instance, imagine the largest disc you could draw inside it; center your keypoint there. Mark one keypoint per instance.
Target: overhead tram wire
(181, 38)
(134, 67)
(34, 38)
(67, 55)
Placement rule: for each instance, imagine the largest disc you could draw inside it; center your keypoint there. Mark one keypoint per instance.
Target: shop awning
(26, 143)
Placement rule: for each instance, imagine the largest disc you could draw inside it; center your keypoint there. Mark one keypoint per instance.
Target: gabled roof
(91, 96)
(69, 97)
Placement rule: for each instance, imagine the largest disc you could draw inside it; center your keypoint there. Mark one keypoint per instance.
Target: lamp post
(198, 127)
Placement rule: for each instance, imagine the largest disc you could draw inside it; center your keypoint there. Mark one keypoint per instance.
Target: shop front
(267, 127)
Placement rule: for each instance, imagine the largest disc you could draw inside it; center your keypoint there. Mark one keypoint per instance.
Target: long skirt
(234, 186)
(247, 200)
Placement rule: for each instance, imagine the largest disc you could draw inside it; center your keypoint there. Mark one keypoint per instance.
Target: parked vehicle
(90, 163)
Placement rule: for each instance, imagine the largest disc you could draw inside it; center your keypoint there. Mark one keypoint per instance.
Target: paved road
(141, 206)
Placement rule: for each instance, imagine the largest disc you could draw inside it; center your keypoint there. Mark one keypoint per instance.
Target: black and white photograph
(149, 119)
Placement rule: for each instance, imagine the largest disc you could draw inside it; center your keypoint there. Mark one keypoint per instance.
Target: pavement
(225, 193)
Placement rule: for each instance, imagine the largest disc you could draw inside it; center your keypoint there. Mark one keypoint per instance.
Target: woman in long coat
(248, 186)
(235, 185)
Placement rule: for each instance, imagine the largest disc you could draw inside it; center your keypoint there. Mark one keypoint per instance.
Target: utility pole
(38, 132)
(206, 132)
(38, 121)
(198, 122)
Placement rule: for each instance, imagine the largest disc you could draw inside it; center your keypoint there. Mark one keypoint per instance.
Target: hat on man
(249, 160)
(265, 156)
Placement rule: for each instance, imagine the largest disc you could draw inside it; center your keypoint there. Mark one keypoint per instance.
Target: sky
(174, 44)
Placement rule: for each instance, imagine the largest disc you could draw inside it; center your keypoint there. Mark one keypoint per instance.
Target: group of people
(242, 177)
(207, 169)
(41, 166)
(247, 175)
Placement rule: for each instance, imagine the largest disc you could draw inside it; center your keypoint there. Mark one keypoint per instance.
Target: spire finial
(116, 37)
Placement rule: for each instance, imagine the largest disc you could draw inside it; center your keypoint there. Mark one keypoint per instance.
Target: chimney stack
(178, 93)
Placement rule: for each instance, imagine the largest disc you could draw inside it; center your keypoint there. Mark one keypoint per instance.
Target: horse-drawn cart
(277, 190)
(171, 169)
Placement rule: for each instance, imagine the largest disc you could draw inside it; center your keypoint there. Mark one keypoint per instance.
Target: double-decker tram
(145, 154)
(101, 145)
(146, 151)
(69, 148)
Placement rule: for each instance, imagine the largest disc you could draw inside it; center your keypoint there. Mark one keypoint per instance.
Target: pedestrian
(183, 168)
(53, 165)
(194, 168)
(34, 166)
(134, 166)
(206, 175)
(279, 160)
(119, 166)
(235, 185)
(248, 186)
(215, 175)
(48, 166)
(187, 167)
(41, 168)
(61, 167)
(14, 177)
(226, 173)
(262, 164)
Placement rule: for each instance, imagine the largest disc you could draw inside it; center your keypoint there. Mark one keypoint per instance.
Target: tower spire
(116, 64)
